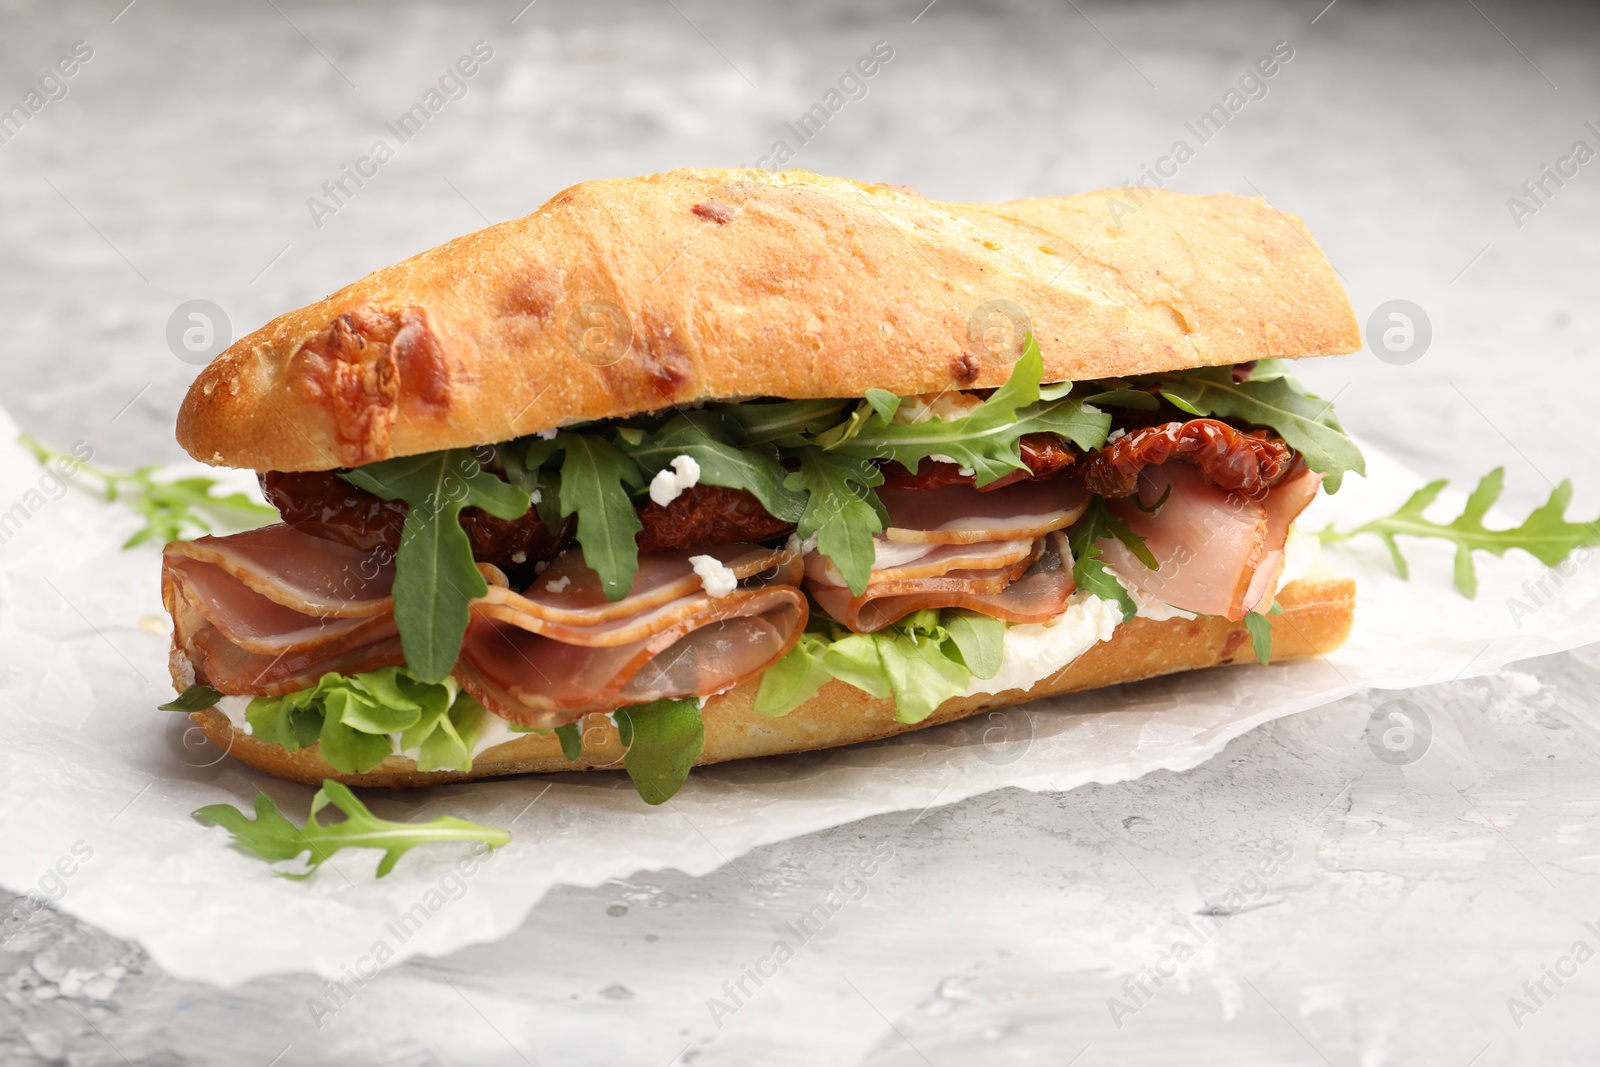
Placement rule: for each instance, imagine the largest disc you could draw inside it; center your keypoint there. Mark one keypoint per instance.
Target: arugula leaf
(1260, 628)
(986, 439)
(195, 698)
(352, 720)
(597, 483)
(571, 738)
(172, 510)
(979, 638)
(1089, 570)
(1277, 401)
(786, 421)
(699, 436)
(883, 402)
(272, 837)
(434, 574)
(841, 510)
(1545, 534)
(661, 740)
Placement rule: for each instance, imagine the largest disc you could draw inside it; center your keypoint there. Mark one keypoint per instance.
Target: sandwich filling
(917, 548)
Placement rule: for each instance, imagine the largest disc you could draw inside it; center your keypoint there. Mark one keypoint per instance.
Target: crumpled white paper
(96, 786)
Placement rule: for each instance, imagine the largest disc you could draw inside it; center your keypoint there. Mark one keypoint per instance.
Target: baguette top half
(630, 295)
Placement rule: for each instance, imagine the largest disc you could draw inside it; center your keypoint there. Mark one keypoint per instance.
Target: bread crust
(629, 295)
(1316, 618)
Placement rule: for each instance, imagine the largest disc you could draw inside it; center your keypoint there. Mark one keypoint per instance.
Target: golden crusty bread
(1316, 619)
(631, 295)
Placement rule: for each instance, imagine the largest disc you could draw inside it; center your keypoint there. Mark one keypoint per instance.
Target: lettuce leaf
(921, 661)
(352, 720)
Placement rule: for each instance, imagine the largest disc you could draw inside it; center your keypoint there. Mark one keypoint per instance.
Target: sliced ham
(269, 615)
(897, 561)
(1219, 553)
(310, 574)
(1032, 590)
(961, 514)
(534, 680)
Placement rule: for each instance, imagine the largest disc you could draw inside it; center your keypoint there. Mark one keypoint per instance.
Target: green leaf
(195, 698)
(435, 577)
(1545, 534)
(794, 679)
(701, 436)
(986, 439)
(661, 739)
(571, 738)
(856, 659)
(273, 838)
(921, 671)
(1260, 628)
(353, 719)
(981, 640)
(1089, 570)
(788, 421)
(841, 510)
(1277, 401)
(597, 484)
(172, 510)
(883, 402)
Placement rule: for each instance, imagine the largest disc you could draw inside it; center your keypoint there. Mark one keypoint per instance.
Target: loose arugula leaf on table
(172, 510)
(1545, 534)
(660, 740)
(701, 436)
(273, 837)
(435, 577)
(986, 439)
(841, 510)
(196, 697)
(1089, 569)
(597, 483)
(1277, 401)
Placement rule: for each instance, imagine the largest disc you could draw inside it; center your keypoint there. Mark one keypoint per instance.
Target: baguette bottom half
(1316, 618)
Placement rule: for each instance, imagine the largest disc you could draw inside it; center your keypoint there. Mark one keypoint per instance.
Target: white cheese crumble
(1034, 651)
(519, 556)
(536, 497)
(555, 585)
(947, 407)
(668, 485)
(546, 435)
(718, 580)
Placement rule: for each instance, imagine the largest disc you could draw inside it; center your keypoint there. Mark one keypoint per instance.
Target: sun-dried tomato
(1232, 459)
(707, 515)
(1044, 453)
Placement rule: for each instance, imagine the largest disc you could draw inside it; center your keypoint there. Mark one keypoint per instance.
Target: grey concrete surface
(1335, 909)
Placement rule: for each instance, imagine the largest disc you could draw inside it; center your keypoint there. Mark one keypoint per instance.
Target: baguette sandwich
(718, 464)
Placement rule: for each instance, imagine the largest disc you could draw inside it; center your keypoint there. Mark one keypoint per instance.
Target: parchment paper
(96, 786)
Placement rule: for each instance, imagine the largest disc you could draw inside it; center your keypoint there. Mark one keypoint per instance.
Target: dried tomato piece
(1044, 453)
(707, 515)
(1232, 459)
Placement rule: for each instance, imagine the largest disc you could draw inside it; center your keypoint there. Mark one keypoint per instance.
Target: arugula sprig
(661, 741)
(1545, 534)
(434, 574)
(172, 510)
(1089, 570)
(1269, 397)
(273, 837)
(987, 438)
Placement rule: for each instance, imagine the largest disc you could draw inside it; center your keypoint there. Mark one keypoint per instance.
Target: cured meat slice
(312, 575)
(960, 514)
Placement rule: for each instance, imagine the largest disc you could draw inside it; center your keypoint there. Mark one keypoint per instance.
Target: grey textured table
(1404, 906)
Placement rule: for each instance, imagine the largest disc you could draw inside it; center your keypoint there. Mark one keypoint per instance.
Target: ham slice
(895, 561)
(961, 514)
(270, 611)
(535, 680)
(1219, 553)
(310, 574)
(1034, 589)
